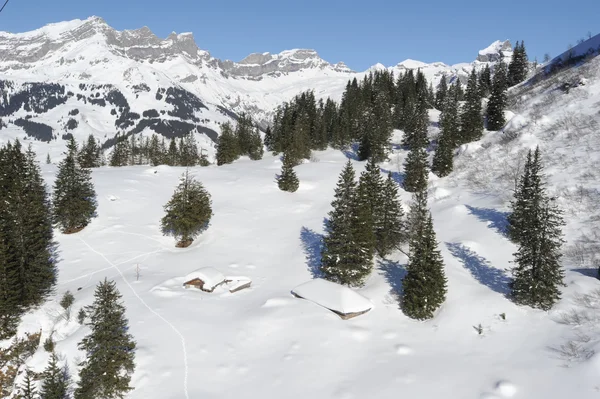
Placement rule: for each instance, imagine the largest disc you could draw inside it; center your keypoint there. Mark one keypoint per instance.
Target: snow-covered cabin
(205, 279)
(341, 300)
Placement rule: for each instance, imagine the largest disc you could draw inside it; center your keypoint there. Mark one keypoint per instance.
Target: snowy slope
(265, 343)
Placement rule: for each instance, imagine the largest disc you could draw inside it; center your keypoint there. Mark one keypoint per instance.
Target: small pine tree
(471, 116)
(288, 181)
(48, 160)
(89, 156)
(390, 228)
(109, 348)
(442, 92)
(443, 161)
(56, 380)
(519, 65)
(74, 197)
(67, 303)
(188, 212)
(415, 170)
(81, 316)
(28, 389)
(269, 139)
(424, 286)
(485, 82)
(173, 154)
(536, 224)
(256, 150)
(495, 109)
(228, 147)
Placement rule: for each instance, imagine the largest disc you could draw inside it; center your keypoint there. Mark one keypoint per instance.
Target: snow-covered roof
(333, 296)
(210, 276)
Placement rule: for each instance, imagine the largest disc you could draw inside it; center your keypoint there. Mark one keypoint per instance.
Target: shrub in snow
(49, 344)
(288, 181)
(67, 302)
(81, 316)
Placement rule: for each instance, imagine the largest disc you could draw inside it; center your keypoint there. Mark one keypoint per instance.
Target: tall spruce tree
(390, 228)
(485, 81)
(188, 212)
(89, 156)
(287, 181)
(415, 170)
(28, 389)
(74, 197)
(536, 224)
(443, 159)
(347, 257)
(228, 149)
(121, 153)
(497, 103)
(188, 151)
(441, 93)
(255, 150)
(110, 349)
(56, 380)
(519, 65)
(471, 116)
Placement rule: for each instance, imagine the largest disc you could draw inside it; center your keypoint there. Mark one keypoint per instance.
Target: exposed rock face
(495, 52)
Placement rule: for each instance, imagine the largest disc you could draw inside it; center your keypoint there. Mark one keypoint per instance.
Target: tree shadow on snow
(589, 272)
(351, 152)
(394, 273)
(396, 176)
(498, 220)
(312, 242)
(481, 269)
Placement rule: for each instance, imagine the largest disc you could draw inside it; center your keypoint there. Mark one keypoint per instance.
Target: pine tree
(288, 181)
(390, 228)
(188, 212)
(519, 65)
(443, 159)
(155, 153)
(495, 108)
(255, 150)
(424, 286)
(188, 151)
(48, 160)
(56, 380)
(228, 147)
(485, 82)
(346, 258)
(173, 153)
(471, 116)
(521, 204)
(442, 92)
(28, 390)
(538, 274)
(74, 197)
(121, 152)
(269, 139)
(109, 348)
(89, 156)
(415, 170)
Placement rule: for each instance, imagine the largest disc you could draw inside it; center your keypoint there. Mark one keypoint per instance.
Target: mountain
(83, 77)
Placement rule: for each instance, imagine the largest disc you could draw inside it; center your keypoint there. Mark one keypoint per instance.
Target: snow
(333, 296)
(210, 276)
(493, 48)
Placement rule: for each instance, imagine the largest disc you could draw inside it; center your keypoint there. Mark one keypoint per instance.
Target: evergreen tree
(48, 160)
(228, 147)
(269, 139)
(155, 153)
(255, 150)
(173, 153)
(244, 132)
(471, 116)
(390, 229)
(74, 197)
(89, 156)
(121, 153)
(415, 170)
(56, 380)
(346, 257)
(485, 82)
(521, 204)
(188, 212)
(443, 159)
(288, 181)
(424, 286)
(460, 94)
(28, 390)
(188, 151)
(495, 108)
(519, 65)
(442, 92)
(538, 274)
(109, 348)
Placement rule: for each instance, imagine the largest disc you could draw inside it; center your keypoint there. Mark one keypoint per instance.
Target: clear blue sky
(358, 33)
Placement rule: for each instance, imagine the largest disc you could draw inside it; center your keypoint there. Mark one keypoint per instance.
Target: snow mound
(332, 296)
(506, 389)
(210, 276)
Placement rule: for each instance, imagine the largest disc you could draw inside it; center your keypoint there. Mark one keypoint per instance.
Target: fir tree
(495, 108)
(443, 159)
(519, 65)
(424, 286)
(269, 139)
(121, 152)
(155, 153)
(390, 228)
(536, 224)
(188, 212)
(228, 147)
(56, 380)
(48, 160)
(346, 257)
(288, 181)
(415, 170)
(471, 116)
(74, 197)
(28, 389)
(173, 153)
(485, 82)
(255, 150)
(109, 348)
(188, 151)
(89, 156)
(442, 92)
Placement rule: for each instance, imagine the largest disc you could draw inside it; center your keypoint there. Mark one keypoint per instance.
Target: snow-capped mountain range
(84, 77)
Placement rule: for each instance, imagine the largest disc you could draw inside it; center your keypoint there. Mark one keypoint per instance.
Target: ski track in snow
(183, 345)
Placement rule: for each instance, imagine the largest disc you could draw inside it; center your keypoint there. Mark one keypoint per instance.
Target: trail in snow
(183, 345)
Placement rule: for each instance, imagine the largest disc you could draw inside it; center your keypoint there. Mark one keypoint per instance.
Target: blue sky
(358, 33)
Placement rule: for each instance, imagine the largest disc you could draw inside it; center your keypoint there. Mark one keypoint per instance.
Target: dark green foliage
(228, 149)
(56, 380)
(519, 65)
(109, 348)
(74, 197)
(172, 154)
(348, 250)
(390, 229)
(471, 116)
(495, 108)
(442, 92)
(269, 139)
(188, 151)
(424, 286)
(188, 212)
(256, 150)
(66, 303)
(90, 154)
(121, 152)
(415, 170)
(49, 345)
(28, 390)
(485, 82)
(443, 159)
(535, 225)
(27, 249)
(248, 138)
(288, 181)
(81, 316)
(48, 160)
